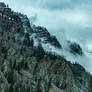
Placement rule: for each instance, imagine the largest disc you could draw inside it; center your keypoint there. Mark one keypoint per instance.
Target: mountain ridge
(28, 68)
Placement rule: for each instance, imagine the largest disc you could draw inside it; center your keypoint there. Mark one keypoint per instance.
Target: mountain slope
(26, 67)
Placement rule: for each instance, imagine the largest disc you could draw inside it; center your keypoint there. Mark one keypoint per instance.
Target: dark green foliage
(53, 56)
(39, 52)
(38, 87)
(3, 50)
(90, 86)
(31, 42)
(10, 77)
(27, 40)
(77, 69)
(11, 89)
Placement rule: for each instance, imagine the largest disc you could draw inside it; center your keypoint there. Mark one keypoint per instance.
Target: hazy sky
(67, 19)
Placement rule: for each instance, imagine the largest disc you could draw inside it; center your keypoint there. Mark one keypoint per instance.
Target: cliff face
(26, 67)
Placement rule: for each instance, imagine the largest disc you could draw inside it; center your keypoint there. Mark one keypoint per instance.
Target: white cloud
(90, 47)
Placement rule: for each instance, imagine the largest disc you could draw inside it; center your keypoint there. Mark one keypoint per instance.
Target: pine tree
(90, 86)
(38, 87)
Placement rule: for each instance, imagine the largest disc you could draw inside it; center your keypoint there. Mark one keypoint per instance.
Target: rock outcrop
(75, 48)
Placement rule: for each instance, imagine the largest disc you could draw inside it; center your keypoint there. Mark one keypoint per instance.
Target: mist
(66, 19)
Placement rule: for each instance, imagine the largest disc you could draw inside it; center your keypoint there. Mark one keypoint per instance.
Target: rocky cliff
(26, 67)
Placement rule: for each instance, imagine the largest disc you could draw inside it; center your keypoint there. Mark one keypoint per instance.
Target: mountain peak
(27, 68)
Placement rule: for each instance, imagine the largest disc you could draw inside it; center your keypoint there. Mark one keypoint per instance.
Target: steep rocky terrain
(26, 67)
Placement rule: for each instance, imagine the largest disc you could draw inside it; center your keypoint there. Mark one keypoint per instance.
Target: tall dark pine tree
(90, 86)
